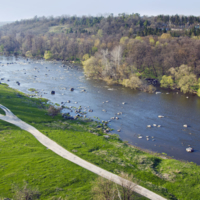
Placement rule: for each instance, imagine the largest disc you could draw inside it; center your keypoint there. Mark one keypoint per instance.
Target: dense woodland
(123, 49)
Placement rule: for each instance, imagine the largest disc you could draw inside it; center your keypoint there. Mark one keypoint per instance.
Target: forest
(124, 49)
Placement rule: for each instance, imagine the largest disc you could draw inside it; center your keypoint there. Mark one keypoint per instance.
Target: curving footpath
(50, 144)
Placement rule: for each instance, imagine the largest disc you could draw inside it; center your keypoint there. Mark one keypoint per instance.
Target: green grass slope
(23, 158)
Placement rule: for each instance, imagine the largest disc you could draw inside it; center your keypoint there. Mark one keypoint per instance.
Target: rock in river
(189, 149)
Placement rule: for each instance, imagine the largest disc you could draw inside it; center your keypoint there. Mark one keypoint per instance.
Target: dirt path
(50, 144)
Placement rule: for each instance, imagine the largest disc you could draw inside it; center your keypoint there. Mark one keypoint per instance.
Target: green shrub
(167, 82)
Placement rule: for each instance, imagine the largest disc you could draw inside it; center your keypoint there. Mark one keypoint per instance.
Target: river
(140, 109)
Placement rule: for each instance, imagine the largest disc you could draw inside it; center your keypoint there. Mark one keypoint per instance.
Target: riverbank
(140, 109)
(56, 148)
(167, 177)
(145, 82)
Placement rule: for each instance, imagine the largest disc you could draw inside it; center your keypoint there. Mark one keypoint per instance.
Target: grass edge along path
(168, 177)
(50, 144)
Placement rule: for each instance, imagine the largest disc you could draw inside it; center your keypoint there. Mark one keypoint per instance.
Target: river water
(140, 109)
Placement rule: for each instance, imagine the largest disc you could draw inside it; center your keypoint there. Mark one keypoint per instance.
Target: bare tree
(127, 192)
(105, 60)
(116, 56)
(104, 189)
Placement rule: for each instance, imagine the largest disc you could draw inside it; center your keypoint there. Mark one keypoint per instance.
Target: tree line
(125, 24)
(109, 47)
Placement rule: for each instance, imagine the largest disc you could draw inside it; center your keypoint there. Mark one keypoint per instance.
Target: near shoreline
(167, 177)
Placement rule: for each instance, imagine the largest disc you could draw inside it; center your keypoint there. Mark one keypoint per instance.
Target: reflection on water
(140, 109)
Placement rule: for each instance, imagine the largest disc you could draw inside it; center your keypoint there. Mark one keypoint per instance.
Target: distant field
(64, 28)
(59, 29)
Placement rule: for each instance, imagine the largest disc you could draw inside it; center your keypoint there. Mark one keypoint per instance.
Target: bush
(151, 89)
(167, 82)
(148, 88)
(186, 83)
(26, 193)
(184, 78)
(92, 68)
(86, 56)
(29, 54)
(165, 36)
(52, 111)
(104, 189)
(198, 92)
(48, 55)
(134, 82)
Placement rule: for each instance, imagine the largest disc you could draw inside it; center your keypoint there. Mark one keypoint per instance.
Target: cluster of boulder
(67, 116)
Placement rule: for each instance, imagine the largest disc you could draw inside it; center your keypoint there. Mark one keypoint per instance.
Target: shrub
(123, 40)
(198, 92)
(26, 193)
(167, 82)
(134, 82)
(165, 36)
(184, 78)
(151, 40)
(186, 83)
(52, 111)
(151, 89)
(86, 56)
(48, 55)
(148, 88)
(104, 189)
(29, 54)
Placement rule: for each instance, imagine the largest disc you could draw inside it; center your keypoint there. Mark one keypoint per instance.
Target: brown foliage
(152, 56)
(26, 193)
(52, 111)
(104, 189)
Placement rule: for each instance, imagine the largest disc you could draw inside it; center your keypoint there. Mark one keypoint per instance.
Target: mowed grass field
(23, 158)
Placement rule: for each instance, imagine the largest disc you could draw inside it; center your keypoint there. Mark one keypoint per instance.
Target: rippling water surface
(140, 109)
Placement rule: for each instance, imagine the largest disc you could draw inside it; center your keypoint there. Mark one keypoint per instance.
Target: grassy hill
(24, 159)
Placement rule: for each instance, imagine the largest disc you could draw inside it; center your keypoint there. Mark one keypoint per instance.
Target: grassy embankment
(23, 158)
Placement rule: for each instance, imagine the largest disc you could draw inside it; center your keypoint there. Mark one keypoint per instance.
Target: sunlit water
(140, 109)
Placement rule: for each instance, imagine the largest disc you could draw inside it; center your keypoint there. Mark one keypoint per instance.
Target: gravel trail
(50, 144)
